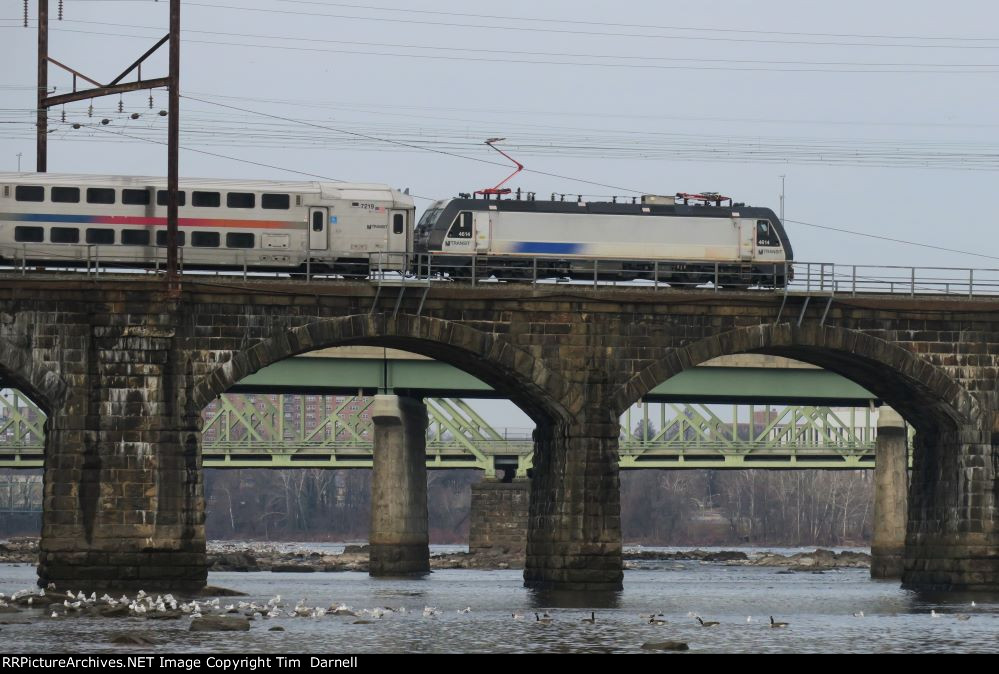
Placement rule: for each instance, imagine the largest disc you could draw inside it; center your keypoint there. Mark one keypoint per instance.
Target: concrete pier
(891, 486)
(399, 539)
(499, 517)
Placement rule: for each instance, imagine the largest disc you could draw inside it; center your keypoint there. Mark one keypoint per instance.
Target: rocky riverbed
(245, 556)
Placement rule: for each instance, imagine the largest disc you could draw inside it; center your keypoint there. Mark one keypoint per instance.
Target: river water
(820, 608)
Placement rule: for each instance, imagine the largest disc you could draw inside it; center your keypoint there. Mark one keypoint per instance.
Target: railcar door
(481, 219)
(398, 237)
(318, 228)
(747, 239)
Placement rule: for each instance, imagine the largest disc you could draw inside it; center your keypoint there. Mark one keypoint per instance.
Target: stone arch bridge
(123, 370)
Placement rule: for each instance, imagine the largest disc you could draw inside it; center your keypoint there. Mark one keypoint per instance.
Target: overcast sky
(880, 115)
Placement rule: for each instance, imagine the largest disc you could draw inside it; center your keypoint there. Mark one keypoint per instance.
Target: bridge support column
(399, 541)
(123, 500)
(574, 530)
(499, 515)
(891, 485)
(952, 540)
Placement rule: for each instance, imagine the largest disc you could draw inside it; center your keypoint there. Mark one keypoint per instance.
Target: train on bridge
(66, 220)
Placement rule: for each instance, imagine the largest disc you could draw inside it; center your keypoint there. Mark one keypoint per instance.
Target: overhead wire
(602, 33)
(629, 57)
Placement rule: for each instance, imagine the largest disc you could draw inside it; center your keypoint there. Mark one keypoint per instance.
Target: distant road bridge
(262, 423)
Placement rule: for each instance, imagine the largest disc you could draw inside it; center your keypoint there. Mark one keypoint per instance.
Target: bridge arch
(510, 370)
(925, 394)
(40, 382)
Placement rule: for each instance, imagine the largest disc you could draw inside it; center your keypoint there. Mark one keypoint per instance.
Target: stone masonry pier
(123, 371)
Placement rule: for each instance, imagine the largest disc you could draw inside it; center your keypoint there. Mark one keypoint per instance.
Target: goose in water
(545, 620)
(774, 623)
(592, 619)
(657, 619)
(517, 616)
(707, 623)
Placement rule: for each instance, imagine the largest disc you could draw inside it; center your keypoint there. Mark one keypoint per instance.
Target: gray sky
(900, 141)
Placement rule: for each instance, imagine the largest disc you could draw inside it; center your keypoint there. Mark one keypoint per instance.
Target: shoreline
(245, 556)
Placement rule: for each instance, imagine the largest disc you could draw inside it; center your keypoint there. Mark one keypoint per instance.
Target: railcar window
(66, 195)
(206, 199)
(161, 238)
(100, 195)
(430, 216)
(135, 197)
(461, 228)
(161, 197)
(275, 201)
(100, 236)
(29, 193)
(29, 234)
(205, 239)
(765, 234)
(135, 237)
(398, 223)
(317, 221)
(239, 240)
(240, 199)
(64, 235)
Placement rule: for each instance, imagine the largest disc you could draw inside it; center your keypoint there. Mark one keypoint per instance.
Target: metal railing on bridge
(425, 270)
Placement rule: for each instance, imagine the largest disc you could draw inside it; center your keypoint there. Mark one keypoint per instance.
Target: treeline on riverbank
(658, 507)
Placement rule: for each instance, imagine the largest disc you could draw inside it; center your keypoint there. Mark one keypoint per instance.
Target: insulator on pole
(64, 113)
(90, 108)
(25, 13)
(121, 105)
(60, 10)
(150, 100)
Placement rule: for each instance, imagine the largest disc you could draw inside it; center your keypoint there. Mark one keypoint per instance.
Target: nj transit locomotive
(343, 228)
(684, 243)
(59, 219)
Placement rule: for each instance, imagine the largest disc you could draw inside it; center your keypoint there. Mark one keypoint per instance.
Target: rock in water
(276, 628)
(215, 623)
(292, 568)
(665, 646)
(132, 640)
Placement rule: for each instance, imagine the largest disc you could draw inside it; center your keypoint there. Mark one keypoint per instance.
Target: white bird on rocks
(51, 586)
(31, 600)
(933, 613)
(123, 600)
(196, 614)
(430, 611)
(467, 609)
(41, 592)
(274, 601)
(858, 614)
(54, 614)
(70, 594)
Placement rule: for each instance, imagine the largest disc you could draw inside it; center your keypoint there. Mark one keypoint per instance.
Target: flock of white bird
(144, 603)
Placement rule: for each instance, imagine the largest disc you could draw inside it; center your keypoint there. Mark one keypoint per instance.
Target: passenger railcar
(69, 220)
(685, 244)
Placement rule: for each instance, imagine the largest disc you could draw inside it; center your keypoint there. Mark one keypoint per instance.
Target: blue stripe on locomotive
(547, 248)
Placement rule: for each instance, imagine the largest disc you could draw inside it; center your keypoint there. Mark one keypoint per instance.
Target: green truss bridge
(313, 412)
